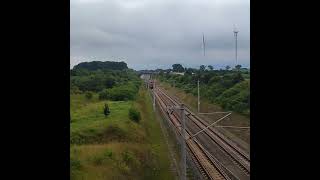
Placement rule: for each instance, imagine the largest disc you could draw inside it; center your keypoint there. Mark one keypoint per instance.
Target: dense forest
(106, 79)
(229, 88)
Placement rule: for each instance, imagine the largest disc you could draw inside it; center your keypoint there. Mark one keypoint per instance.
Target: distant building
(178, 73)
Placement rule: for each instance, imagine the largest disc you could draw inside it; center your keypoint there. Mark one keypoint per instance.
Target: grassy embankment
(116, 147)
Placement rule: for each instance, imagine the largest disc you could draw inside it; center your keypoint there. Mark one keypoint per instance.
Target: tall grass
(115, 147)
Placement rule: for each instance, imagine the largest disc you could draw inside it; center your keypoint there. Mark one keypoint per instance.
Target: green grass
(159, 149)
(115, 147)
(96, 163)
(89, 124)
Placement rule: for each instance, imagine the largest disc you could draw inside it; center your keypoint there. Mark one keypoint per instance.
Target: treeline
(96, 65)
(228, 88)
(108, 82)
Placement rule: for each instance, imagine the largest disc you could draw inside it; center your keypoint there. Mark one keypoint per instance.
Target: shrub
(88, 95)
(122, 92)
(97, 160)
(127, 156)
(236, 98)
(114, 132)
(134, 114)
(75, 164)
(108, 153)
(123, 168)
(103, 95)
(75, 90)
(106, 109)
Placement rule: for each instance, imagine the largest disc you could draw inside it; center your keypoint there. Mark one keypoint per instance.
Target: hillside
(95, 65)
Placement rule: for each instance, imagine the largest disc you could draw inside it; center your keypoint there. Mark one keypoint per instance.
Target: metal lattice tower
(204, 45)
(204, 54)
(235, 32)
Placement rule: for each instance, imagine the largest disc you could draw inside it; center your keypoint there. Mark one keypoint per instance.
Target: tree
(106, 109)
(237, 77)
(189, 71)
(177, 68)
(109, 82)
(238, 67)
(210, 67)
(202, 67)
(95, 65)
(227, 68)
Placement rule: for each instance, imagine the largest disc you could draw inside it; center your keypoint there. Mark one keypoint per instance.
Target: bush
(103, 95)
(106, 109)
(88, 95)
(127, 156)
(75, 164)
(97, 159)
(236, 98)
(114, 132)
(121, 92)
(108, 153)
(134, 114)
(130, 159)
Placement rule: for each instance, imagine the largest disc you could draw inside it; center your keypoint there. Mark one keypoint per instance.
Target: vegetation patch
(115, 147)
(106, 140)
(123, 92)
(134, 114)
(88, 95)
(228, 88)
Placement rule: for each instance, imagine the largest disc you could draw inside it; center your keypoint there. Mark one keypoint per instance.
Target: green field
(115, 147)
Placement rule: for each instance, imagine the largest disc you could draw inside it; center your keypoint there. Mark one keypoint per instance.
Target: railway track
(209, 166)
(203, 124)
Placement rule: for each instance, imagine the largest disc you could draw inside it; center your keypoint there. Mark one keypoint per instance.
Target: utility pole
(183, 145)
(154, 95)
(198, 96)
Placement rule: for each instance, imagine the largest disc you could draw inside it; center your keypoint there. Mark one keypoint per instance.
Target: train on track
(151, 84)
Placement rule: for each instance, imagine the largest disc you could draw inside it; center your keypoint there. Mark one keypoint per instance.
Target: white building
(178, 73)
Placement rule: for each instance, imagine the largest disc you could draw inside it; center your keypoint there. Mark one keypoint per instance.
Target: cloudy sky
(150, 34)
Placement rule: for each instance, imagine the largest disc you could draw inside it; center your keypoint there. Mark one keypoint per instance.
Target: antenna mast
(204, 45)
(235, 32)
(204, 54)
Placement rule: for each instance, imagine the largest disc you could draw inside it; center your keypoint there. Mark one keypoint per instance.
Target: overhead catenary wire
(210, 125)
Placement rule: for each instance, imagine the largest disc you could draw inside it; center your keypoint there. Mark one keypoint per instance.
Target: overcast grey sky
(150, 34)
